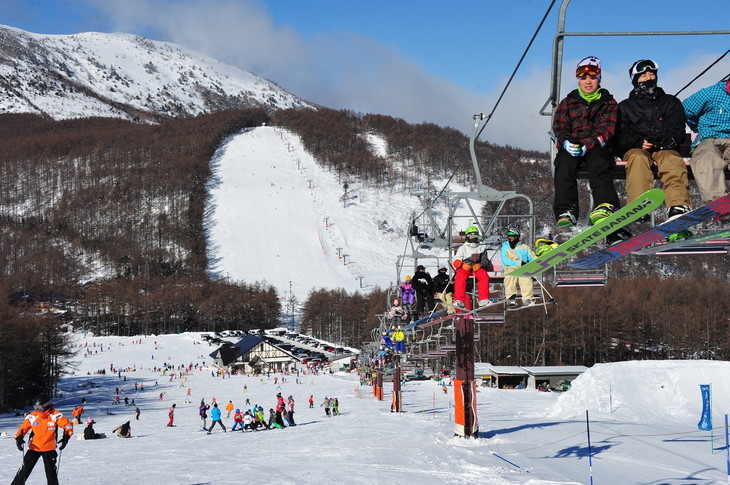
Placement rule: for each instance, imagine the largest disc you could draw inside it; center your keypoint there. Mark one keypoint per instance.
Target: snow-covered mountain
(122, 75)
(278, 216)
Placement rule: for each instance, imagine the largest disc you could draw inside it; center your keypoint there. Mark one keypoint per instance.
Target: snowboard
(644, 204)
(705, 213)
(705, 239)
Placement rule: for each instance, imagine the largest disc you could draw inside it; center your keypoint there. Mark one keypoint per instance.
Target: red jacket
(44, 424)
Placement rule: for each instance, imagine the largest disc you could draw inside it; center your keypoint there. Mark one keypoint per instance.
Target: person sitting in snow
(124, 430)
(89, 433)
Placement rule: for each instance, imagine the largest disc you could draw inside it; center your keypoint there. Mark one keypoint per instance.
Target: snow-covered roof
(556, 370)
(483, 368)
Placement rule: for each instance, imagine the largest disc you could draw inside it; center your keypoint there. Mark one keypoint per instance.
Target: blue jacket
(708, 112)
(515, 257)
(215, 413)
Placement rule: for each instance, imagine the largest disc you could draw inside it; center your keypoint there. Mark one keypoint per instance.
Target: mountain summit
(123, 76)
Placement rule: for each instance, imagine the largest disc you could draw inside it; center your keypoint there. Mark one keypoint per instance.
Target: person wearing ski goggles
(708, 115)
(584, 123)
(651, 128)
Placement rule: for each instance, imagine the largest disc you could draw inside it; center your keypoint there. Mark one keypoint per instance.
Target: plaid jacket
(581, 122)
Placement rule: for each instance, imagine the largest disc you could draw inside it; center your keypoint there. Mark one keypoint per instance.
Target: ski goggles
(592, 71)
(640, 67)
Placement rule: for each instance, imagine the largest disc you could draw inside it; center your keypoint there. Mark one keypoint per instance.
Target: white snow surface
(642, 419)
(279, 217)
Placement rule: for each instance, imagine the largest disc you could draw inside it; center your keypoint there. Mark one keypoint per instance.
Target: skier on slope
(467, 262)
(215, 417)
(171, 415)
(280, 409)
(290, 410)
(42, 426)
(237, 421)
(203, 411)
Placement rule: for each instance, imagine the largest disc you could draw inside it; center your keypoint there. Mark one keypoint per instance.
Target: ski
(705, 213)
(551, 301)
(464, 311)
(712, 239)
(643, 205)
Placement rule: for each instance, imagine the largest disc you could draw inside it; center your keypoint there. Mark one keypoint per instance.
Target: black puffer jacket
(657, 118)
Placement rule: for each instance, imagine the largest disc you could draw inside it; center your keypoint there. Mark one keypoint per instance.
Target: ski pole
(22, 463)
(58, 462)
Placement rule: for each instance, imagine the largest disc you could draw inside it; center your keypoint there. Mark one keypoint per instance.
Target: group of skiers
(280, 416)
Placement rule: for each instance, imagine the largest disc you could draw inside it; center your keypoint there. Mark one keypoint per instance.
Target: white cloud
(345, 70)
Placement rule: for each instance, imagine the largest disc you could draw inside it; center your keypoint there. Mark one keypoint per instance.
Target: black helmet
(42, 403)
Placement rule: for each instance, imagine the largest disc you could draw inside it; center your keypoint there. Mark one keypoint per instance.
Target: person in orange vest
(229, 409)
(76, 413)
(43, 424)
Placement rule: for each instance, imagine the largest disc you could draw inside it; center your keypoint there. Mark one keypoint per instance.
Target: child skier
(171, 415)
(237, 421)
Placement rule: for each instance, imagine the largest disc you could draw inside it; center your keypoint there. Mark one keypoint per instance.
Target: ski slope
(277, 216)
(643, 427)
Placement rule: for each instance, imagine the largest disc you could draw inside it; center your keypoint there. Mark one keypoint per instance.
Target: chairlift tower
(484, 207)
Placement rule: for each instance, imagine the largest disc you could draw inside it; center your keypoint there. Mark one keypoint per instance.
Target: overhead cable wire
(524, 54)
(703, 72)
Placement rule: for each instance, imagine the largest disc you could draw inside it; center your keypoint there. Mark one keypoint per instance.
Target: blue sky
(425, 60)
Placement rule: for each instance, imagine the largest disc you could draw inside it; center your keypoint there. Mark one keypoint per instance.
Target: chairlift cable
(524, 54)
(703, 72)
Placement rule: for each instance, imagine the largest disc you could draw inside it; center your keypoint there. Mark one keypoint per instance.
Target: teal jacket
(708, 112)
(515, 257)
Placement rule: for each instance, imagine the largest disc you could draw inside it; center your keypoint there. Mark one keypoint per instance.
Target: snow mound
(631, 390)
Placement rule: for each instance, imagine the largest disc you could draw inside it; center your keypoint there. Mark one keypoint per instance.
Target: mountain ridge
(123, 76)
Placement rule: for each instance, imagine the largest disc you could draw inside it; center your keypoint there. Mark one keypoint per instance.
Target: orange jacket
(77, 412)
(229, 406)
(43, 425)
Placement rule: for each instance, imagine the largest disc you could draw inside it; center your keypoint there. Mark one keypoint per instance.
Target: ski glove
(19, 441)
(457, 263)
(575, 149)
(64, 442)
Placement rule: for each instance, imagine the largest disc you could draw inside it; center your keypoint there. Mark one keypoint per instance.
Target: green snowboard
(644, 204)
